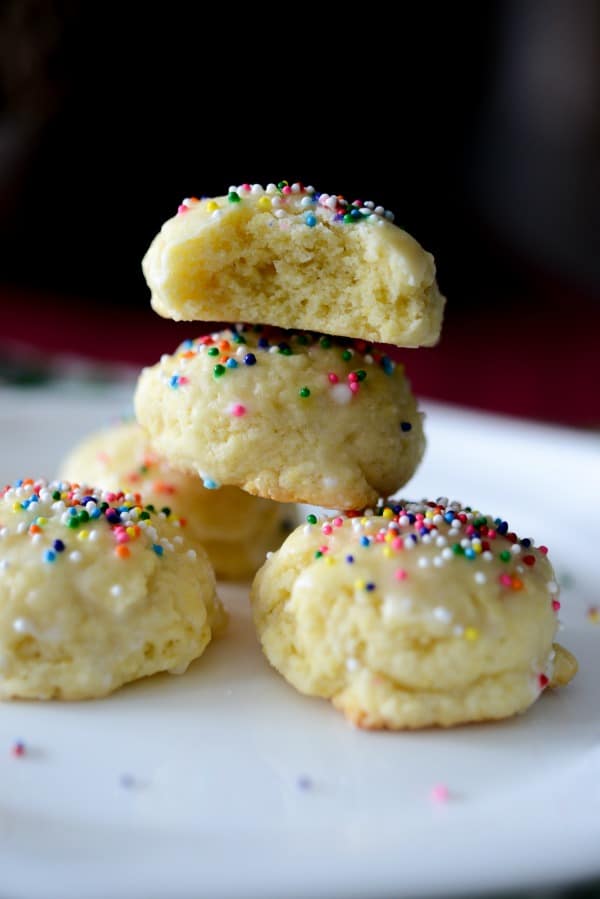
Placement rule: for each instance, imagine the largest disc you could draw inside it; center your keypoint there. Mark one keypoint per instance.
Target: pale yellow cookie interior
(235, 528)
(308, 433)
(258, 259)
(407, 633)
(88, 608)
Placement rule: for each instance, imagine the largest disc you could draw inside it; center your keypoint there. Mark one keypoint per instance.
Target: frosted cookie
(291, 257)
(235, 529)
(287, 416)
(95, 591)
(422, 614)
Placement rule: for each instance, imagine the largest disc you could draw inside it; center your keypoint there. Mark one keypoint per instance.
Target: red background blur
(477, 125)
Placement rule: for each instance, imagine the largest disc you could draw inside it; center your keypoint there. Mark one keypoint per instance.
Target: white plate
(217, 757)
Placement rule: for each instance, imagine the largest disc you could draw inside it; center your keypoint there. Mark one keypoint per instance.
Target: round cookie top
(241, 347)
(57, 522)
(289, 256)
(96, 589)
(410, 539)
(413, 614)
(291, 416)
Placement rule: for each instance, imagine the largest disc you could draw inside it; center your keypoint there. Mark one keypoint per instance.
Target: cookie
(95, 591)
(422, 614)
(291, 257)
(235, 529)
(294, 417)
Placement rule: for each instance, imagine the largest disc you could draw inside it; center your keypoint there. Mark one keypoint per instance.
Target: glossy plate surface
(226, 782)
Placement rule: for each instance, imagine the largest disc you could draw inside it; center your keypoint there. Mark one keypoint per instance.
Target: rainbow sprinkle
(439, 794)
(240, 347)
(293, 203)
(18, 749)
(460, 535)
(33, 508)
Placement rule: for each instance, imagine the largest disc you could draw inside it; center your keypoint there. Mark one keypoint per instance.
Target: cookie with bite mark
(288, 256)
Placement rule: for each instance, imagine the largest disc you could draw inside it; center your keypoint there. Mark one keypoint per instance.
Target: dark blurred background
(478, 124)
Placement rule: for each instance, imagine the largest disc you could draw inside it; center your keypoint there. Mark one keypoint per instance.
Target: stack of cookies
(295, 404)
(404, 614)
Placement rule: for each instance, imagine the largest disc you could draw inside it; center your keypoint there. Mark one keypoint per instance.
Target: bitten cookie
(291, 257)
(422, 614)
(235, 529)
(95, 591)
(287, 416)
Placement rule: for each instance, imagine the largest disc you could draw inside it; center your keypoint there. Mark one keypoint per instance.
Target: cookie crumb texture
(289, 256)
(95, 590)
(235, 528)
(422, 614)
(290, 416)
